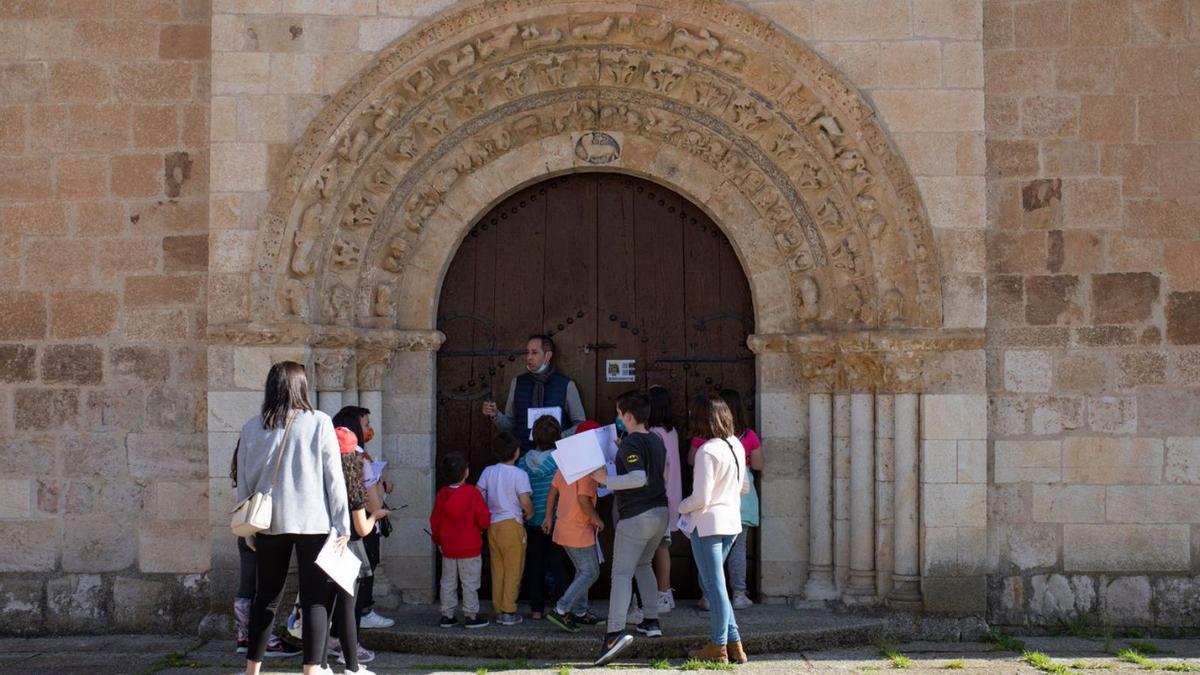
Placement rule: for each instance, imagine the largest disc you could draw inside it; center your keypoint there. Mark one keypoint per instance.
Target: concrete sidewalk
(182, 655)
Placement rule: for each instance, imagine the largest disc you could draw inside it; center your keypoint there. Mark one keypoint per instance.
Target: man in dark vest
(541, 387)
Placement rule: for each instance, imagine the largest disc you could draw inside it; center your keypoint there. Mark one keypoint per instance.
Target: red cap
(587, 425)
(347, 441)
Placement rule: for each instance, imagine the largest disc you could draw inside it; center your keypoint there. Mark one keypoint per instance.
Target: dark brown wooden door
(613, 267)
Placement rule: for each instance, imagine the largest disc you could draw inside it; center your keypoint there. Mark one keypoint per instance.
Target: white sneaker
(364, 655)
(295, 626)
(664, 602)
(373, 619)
(671, 596)
(635, 616)
(740, 601)
(362, 670)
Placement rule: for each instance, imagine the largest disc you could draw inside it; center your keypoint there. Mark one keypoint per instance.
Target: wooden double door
(613, 268)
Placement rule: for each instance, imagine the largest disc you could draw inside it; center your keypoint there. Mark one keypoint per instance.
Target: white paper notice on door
(578, 455)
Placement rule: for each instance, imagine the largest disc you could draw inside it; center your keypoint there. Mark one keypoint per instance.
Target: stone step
(764, 628)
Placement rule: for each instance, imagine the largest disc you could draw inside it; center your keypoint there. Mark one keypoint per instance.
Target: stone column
(885, 431)
(820, 584)
(331, 366)
(372, 367)
(906, 584)
(841, 489)
(862, 496)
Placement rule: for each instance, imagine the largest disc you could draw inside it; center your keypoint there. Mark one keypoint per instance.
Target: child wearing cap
(456, 525)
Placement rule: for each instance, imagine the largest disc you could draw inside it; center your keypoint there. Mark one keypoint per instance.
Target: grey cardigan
(310, 495)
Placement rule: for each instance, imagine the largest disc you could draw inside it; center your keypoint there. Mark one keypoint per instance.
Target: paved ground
(181, 655)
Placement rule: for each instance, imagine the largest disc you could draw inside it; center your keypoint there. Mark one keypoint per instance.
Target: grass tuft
(956, 665)
(1042, 662)
(697, 664)
(661, 664)
(171, 661)
(1148, 648)
(1080, 627)
(1003, 642)
(1084, 665)
(1135, 657)
(1181, 667)
(898, 660)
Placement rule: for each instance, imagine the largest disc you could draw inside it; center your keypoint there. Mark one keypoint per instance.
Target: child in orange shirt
(575, 530)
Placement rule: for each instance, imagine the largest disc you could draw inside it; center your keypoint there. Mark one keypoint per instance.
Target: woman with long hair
(308, 494)
(712, 518)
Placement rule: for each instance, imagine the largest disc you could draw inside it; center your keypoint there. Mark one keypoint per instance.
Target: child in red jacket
(459, 517)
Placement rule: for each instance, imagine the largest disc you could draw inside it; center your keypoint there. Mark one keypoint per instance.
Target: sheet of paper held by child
(535, 413)
(578, 455)
(609, 444)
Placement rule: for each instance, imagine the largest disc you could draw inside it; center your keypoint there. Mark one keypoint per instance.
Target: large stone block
(173, 546)
(1183, 318)
(1112, 414)
(1059, 598)
(1054, 414)
(1125, 601)
(72, 364)
(1112, 461)
(1028, 371)
(955, 595)
(230, 410)
(168, 456)
(954, 416)
(1183, 460)
(1030, 546)
(75, 602)
(1068, 503)
(22, 604)
(1144, 504)
(138, 605)
(1124, 298)
(16, 499)
(1028, 461)
(954, 505)
(1168, 411)
(32, 546)
(1176, 601)
(98, 542)
(939, 461)
(1126, 548)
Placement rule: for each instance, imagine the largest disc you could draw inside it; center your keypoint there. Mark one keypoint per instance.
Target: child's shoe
(563, 621)
(475, 621)
(665, 602)
(362, 670)
(650, 628)
(741, 601)
(587, 619)
(373, 619)
(614, 644)
(448, 622)
(635, 616)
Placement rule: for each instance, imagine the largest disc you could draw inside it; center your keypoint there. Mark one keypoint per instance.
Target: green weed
(1042, 662)
(1181, 667)
(696, 664)
(1135, 657)
(1003, 642)
(661, 664)
(1148, 648)
(956, 665)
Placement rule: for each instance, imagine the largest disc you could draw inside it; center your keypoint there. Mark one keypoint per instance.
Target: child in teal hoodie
(540, 552)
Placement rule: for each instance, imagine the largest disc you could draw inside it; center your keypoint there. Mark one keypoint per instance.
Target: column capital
(332, 368)
(372, 366)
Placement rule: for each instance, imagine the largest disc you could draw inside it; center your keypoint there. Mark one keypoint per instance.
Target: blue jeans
(710, 554)
(587, 570)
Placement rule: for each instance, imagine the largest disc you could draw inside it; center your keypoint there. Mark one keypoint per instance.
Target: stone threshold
(765, 629)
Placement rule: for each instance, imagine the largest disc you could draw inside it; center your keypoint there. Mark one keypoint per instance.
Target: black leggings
(366, 590)
(274, 554)
(542, 554)
(345, 623)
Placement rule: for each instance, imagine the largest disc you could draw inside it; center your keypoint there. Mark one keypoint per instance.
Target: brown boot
(710, 652)
(736, 653)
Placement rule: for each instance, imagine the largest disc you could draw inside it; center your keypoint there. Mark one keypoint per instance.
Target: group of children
(534, 517)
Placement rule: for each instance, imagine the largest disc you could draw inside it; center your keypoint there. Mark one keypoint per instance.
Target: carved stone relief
(788, 133)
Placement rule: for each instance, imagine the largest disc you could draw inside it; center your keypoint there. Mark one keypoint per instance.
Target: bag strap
(282, 447)
(736, 467)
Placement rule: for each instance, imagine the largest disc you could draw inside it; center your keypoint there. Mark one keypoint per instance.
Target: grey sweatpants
(465, 571)
(634, 544)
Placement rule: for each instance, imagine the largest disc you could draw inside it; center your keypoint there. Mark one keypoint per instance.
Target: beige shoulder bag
(253, 514)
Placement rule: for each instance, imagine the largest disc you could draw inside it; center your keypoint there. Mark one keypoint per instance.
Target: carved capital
(419, 340)
(332, 368)
(372, 366)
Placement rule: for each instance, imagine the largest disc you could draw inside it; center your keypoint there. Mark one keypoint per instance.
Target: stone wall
(1093, 321)
(103, 223)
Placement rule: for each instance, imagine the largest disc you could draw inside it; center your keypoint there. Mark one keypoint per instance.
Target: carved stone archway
(702, 96)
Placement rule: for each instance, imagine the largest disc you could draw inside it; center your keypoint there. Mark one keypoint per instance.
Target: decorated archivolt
(720, 84)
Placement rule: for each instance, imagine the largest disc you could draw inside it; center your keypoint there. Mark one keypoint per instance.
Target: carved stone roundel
(702, 96)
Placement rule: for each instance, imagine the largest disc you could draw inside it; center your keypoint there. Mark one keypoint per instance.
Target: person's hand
(548, 524)
(339, 544)
(489, 409)
(597, 523)
(380, 514)
(600, 476)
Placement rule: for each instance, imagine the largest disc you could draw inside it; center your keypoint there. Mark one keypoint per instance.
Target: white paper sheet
(611, 469)
(376, 472)
(533, 414)
(578, 455)
(342, 568)
(607, 437)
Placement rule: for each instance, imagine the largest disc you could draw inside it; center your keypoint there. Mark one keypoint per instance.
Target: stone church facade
(970, 230)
